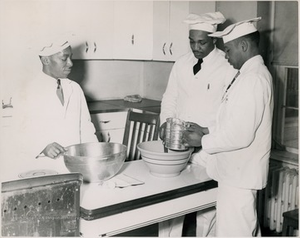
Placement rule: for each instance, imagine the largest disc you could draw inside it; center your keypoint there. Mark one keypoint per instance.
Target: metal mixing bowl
(97, 161)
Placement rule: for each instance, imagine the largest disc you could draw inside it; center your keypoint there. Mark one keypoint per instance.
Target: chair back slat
(150, 133)
(147, 134)
(139, 127)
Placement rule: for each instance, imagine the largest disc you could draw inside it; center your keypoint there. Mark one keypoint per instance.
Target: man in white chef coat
(194, 92)
(52, 112)
(236, 151)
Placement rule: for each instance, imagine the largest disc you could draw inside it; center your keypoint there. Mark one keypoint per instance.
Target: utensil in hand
(174, 134)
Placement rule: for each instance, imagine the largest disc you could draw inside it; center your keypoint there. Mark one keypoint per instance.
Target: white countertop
(96, 198)
(111, 211)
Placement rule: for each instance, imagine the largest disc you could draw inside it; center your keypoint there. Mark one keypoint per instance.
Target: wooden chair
(139, 127)
(41, 206)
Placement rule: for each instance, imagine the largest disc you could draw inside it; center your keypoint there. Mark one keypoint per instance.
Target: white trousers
(205, 225)
(236, 212)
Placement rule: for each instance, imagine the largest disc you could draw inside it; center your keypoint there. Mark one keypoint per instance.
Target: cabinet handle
(95, 47)
(104, 122)
(7, 105)
(170, 49)
(163, 49)
(132, 39)
(108, 137)
(86, 47)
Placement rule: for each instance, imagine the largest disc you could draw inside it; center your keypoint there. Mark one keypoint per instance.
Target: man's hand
(192, 136)
(162, 131)
(196, 128)
(53, 150)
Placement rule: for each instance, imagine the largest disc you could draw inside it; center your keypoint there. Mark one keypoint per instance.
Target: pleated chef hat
(52, 46)
(237, 30)
(205, 22)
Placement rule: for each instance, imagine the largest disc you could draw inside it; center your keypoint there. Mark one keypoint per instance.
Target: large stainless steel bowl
(97, 161)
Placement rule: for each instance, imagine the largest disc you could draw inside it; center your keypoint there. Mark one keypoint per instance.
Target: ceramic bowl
(155, 150)
(170, 162)
(165, 170)
(160, 163)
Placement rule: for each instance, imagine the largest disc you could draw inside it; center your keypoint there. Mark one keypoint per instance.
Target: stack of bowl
(161, 163)
(97, 161)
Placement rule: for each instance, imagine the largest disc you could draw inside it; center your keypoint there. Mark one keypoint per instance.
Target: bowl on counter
(155, 150)
(160, 163)
(97, 161)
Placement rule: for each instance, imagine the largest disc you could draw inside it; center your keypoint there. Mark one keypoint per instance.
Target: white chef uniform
(45, 120)
(41, 119)
(237, 150)
(196, 98)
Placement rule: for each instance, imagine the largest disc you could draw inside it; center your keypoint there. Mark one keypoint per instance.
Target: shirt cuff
(199, 158)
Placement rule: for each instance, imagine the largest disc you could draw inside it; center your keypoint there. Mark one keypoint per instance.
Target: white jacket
(238, 149)
(196, 98)
(40, 118)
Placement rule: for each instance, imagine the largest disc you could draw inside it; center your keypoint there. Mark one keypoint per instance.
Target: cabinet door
(170, 35)
(78, 22)
(110, 120)
(101, 28)
(110, 126)
(160, 30)
(179, 31)
(113, 135)
(133, 27)
(90, 24)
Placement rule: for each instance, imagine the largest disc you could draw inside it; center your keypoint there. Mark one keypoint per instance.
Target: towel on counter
(133, 98)
(121, 181)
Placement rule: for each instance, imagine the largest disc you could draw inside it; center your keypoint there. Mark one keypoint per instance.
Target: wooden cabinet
(133, 27)
(90, 24)
(110, 29)
(110, 126)
(6, 117)
(134, 30)
(170, 34)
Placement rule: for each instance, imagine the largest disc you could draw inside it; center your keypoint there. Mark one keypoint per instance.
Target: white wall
(108, 79)
(156, 76)
(112, 79)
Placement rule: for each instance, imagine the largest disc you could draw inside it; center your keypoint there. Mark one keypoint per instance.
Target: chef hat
(52, 46)
(237, 30)
(205, 22)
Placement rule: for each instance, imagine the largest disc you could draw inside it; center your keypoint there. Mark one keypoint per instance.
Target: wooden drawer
(112, 135)
(111, 120)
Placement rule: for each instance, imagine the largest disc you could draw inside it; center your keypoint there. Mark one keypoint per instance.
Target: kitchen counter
(117, 105)
(109, 211)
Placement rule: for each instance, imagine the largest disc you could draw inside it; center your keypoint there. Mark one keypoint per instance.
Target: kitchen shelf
(118, 105)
